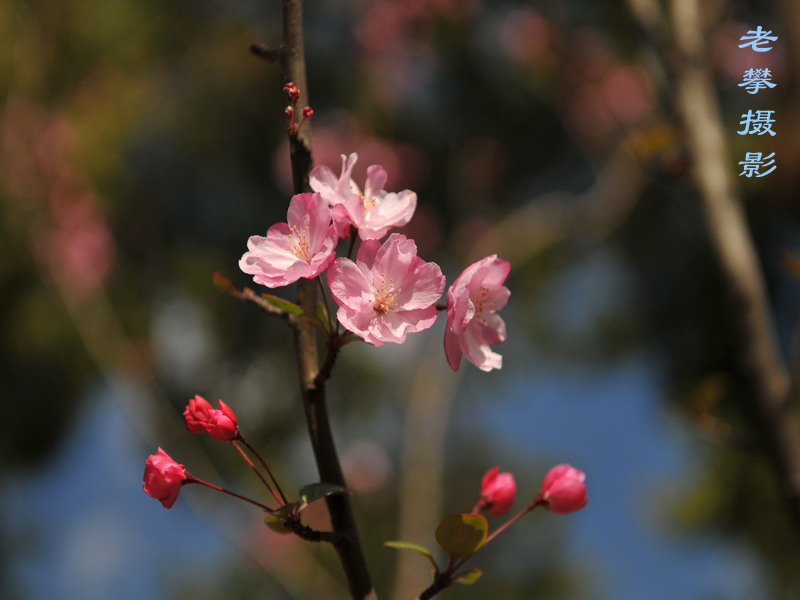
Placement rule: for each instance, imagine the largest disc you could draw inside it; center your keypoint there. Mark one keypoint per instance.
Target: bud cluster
(293, 95)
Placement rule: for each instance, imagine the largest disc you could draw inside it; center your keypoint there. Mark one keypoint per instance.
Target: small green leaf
(277, 525)
(224, 284)
(422, 550)
(462, 535)
(293, 309)
(286, 509)
(469, 577)
(284, 305)
(314, 491)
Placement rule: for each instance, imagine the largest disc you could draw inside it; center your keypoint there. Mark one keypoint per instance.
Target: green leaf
(293, 309)
(469, 577)
(286, 509)
(462, 535)
(224, 284)
(284, 305)
(422, 550)
(277, 525)
(314, 491)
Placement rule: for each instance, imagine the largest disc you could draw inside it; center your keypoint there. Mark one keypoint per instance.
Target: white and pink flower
(335, 190)
(302, 248)
(472, 321)
(372, 212)
(388, 292)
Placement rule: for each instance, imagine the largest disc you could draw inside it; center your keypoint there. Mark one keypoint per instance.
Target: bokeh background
(141, 145)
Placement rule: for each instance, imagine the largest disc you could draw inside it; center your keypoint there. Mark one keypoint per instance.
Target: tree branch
(313, 392)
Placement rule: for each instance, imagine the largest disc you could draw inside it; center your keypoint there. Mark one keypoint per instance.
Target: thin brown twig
(250, 296)
(265, 52)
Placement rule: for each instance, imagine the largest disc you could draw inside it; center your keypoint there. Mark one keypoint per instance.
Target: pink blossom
(197, 414)
(303, 247)
(498, 491)
(388, 292)
(472, 323)
(163, 478)
(563, 490)
(335, 190)
(374, 211)
(222, 424)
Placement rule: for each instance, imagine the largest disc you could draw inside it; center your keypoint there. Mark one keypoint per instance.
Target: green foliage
(469, 577)
(276, 525)
(316, 491)
(462, 535)
(421, 550)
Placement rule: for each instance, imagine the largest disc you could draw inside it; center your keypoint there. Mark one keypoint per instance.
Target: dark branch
(313, 394)
(440, 583)
(312, 535)
(265, 52)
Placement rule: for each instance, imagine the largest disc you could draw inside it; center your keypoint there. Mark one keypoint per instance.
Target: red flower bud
(222, 424)
(292, 92)
(307, 112)
(197, 414)
(163, 478)
(563, 490)
(498, 491)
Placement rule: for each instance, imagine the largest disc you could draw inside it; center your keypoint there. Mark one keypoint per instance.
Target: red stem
(256, 471)
(266, 468)
(192, 479)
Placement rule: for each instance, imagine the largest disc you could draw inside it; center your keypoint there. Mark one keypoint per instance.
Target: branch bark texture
(313, 391)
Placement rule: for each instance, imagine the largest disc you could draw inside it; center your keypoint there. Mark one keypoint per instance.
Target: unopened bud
(307, 112)
(289, 112)
(563, 490)
(292, 92)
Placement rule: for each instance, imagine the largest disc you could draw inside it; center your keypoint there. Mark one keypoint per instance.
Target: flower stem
(327, 309)
(263, 463)
(192, 479)
(536, 502)
(257, 472)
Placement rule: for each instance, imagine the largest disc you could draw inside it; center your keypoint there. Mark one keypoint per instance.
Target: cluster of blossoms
(462, 536)
(388, 291)
(562, 490)
(164, 477)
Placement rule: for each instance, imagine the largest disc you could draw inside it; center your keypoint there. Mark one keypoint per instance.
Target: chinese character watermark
(753, 163)
(757, 40)
(758, 123)
(757, 79)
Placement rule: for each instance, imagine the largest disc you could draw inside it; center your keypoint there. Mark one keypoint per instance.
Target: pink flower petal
(388, 293)
(302, 248)
(472, 303)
